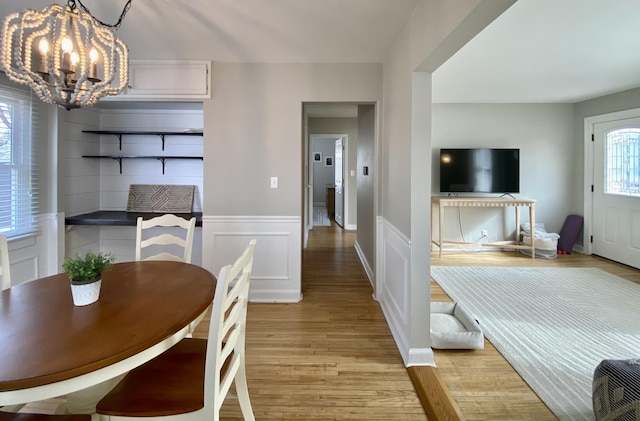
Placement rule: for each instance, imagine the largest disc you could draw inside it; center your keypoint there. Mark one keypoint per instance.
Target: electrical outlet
(484, 233)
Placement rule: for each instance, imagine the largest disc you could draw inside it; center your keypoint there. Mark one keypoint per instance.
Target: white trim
(365, 264)
(223, 218)
(589, 123)
(351, 227)
(421, 357)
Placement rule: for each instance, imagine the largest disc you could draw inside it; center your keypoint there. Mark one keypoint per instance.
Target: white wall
(545, 135)
(96, 184)
(254, 131)
(434, 32)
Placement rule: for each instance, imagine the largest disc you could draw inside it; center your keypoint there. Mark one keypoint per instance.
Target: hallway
(330, 356)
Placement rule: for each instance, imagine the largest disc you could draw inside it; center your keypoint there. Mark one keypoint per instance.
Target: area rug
(554, 325)
(320, 217)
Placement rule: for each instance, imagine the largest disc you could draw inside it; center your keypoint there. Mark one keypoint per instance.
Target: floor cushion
(452, 327)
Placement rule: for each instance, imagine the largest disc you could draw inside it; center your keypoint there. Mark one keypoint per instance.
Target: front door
(339, 183)
(616, 191)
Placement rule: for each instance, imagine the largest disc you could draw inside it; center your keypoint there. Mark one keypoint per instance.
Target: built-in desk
(121, 218)
(439, 203)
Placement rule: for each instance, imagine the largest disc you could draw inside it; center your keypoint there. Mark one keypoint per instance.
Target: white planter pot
(86, 294)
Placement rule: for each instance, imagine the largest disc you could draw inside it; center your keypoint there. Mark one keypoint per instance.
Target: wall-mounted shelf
(119, 158)
(121, 218)
(162, 134)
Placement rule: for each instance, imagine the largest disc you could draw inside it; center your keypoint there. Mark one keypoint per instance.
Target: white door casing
(615, 217)
(339, 181)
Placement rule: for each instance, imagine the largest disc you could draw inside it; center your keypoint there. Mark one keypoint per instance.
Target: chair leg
(243, 392)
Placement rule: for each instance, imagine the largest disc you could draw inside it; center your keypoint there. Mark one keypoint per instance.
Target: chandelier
(66, 55)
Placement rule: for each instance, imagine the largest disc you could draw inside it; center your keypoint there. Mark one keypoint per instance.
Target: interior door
(616, 191)
(339, 182)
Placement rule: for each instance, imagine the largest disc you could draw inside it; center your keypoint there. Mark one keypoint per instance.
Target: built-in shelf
(160, 158)
(162, 134)
(121, 218)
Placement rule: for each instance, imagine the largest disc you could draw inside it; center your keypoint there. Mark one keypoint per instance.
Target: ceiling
(537, 51)
(284, 31)
(562, 51)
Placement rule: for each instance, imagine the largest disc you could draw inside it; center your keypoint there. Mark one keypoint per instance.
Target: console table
(439, 203)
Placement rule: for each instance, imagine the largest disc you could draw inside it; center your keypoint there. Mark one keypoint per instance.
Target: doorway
(356, 125)
(326, 175)
(615, 196)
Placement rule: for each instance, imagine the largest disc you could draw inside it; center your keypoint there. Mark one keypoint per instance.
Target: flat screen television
(479, 170)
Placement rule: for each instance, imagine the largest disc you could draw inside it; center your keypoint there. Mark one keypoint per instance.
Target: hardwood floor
(330, 356)
(483, 384)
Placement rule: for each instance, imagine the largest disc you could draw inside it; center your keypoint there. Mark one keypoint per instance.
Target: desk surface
(121, 218)
(45, 339)
(481, 201)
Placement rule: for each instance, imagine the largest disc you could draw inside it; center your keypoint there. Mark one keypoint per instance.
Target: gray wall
(253, 130)
(366, 187)
(545, 135)
(603, 105)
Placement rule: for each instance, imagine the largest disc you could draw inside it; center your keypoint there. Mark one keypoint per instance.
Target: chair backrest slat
(166, 239)
(5, 264)
(228, 326)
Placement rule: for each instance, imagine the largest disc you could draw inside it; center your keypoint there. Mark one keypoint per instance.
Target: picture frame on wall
(317, 157)
(328, 161)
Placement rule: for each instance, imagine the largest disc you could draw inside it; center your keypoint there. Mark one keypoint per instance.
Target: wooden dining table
(49, 347)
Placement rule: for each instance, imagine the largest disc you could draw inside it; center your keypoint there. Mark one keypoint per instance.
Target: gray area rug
(554, 325)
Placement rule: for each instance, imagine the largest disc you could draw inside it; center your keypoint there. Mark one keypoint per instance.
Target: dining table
(49, 347)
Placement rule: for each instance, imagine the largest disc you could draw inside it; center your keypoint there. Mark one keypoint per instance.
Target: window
(623, 162)
(18, 163)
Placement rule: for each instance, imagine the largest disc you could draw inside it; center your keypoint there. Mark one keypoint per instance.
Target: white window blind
(19, 123)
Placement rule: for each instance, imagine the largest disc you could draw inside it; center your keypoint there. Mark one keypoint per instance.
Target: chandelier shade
(65, 55)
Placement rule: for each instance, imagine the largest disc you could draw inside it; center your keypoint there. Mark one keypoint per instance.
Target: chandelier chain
(72, 5)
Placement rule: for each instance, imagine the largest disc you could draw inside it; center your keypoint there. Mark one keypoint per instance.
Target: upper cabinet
(158, 80)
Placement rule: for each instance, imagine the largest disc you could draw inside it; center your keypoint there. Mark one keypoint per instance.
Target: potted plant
(85, 273)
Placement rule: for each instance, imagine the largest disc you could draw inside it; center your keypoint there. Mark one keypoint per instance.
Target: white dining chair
(166, 240)
(191, 380)
(5, 265)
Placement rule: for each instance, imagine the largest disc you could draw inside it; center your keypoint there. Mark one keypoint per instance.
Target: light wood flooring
(332, 357)
(483, 384)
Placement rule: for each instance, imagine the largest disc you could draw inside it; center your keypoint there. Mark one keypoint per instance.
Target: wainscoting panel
(393, 276)
(276, 274)
(23, 255)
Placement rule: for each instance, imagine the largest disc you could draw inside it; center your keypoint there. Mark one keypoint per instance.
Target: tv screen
(480, 170)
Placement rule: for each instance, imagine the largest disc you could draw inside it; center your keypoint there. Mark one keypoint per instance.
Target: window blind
(19, 133)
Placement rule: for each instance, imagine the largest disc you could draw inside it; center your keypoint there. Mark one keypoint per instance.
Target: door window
(622, 172)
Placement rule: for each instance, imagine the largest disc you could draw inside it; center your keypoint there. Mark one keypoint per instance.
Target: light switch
(353, 173)
(274, 182)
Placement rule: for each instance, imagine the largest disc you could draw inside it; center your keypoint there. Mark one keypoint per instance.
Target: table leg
(441, 221)
(517, 224)
(84, 401)
(532, 218)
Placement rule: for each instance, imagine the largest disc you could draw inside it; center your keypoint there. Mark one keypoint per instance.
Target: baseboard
(365, 265)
